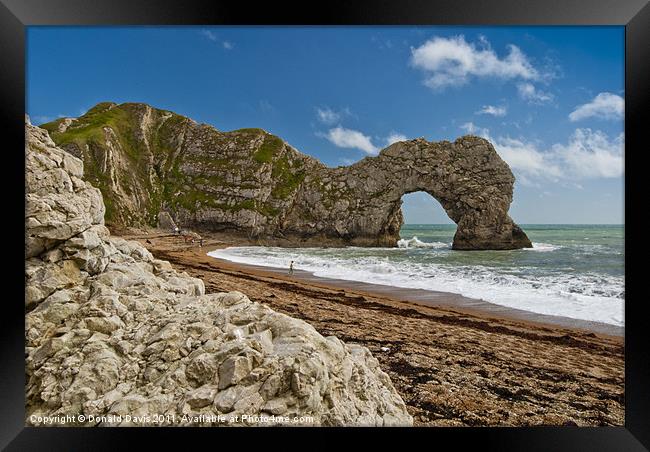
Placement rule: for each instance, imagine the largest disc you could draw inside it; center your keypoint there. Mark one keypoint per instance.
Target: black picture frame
(15, 15)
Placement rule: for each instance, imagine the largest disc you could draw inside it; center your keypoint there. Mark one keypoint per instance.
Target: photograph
(245, 221)
(388, 226)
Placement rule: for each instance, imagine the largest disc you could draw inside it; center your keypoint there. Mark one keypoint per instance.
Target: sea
(575, 271)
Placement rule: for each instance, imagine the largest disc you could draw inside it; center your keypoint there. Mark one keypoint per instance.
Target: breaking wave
(560, 291)
(417, 243)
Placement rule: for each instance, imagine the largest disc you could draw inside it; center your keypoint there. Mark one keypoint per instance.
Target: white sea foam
(584, 296)
(543, 247)
(417, 243)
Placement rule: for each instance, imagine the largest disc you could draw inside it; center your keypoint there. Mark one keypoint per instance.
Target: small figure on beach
(177, 230)
(200, 242)
(291, 268)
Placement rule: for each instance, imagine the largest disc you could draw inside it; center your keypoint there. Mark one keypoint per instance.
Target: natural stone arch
(361, 204)
(420, 208)
(145, 160)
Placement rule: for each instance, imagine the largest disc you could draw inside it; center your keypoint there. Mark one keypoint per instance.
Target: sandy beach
(455, 361)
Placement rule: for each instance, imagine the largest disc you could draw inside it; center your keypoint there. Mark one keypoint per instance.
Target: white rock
(111, 330)
(233, 370)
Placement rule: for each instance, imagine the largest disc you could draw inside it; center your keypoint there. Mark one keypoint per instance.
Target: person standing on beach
(291, 268)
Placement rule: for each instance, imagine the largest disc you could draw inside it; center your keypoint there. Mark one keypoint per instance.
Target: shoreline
(434, 299)
(454, 362)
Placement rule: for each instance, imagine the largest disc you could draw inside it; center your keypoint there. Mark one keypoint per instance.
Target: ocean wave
(586, 296)
(543, 247)
(417, 243)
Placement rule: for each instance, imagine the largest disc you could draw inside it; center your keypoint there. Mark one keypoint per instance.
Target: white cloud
(587, 155)
(492, 110)
(473, 129)
(604, 106)
(354, 139)
(381, 42)
(328, 116)
(348, 138)
(452, 61)
(522, 157)
(210, 35)
(525, 158)
(394, 137)
(591, 154)
(529, 93)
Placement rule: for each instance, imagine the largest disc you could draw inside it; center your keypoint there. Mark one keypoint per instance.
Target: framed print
(380, 215)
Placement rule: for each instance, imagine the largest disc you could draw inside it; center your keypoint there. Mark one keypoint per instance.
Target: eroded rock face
(146, 160)
(112, 331)
(361, 203)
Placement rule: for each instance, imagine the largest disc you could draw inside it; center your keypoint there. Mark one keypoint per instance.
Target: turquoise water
(573, 271)
(566, 249)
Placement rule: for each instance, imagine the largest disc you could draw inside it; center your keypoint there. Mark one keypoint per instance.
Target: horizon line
(524, 224)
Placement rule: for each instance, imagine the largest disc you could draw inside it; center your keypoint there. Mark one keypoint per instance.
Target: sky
(550, 99)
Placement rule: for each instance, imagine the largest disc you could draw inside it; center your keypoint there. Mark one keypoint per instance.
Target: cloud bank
(588, 154)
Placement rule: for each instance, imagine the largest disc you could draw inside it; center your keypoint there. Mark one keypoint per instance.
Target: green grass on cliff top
(88, 129)
(269, 147)
(89, 126)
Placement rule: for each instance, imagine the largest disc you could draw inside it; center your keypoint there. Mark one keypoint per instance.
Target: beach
(455, 361)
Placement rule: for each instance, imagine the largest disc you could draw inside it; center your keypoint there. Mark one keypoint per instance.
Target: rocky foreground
(111, 331)
(452, 366)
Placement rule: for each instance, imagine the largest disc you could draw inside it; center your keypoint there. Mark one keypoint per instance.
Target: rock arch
(252, 182)
(420, 208)
(361, 204)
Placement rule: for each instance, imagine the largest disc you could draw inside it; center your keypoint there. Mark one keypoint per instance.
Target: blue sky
(549, 98)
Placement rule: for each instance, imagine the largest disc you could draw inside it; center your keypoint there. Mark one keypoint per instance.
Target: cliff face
(145, 160)
(112, 331)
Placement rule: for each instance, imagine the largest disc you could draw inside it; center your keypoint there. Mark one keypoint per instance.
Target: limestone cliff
(146, 160)
(111, 331)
